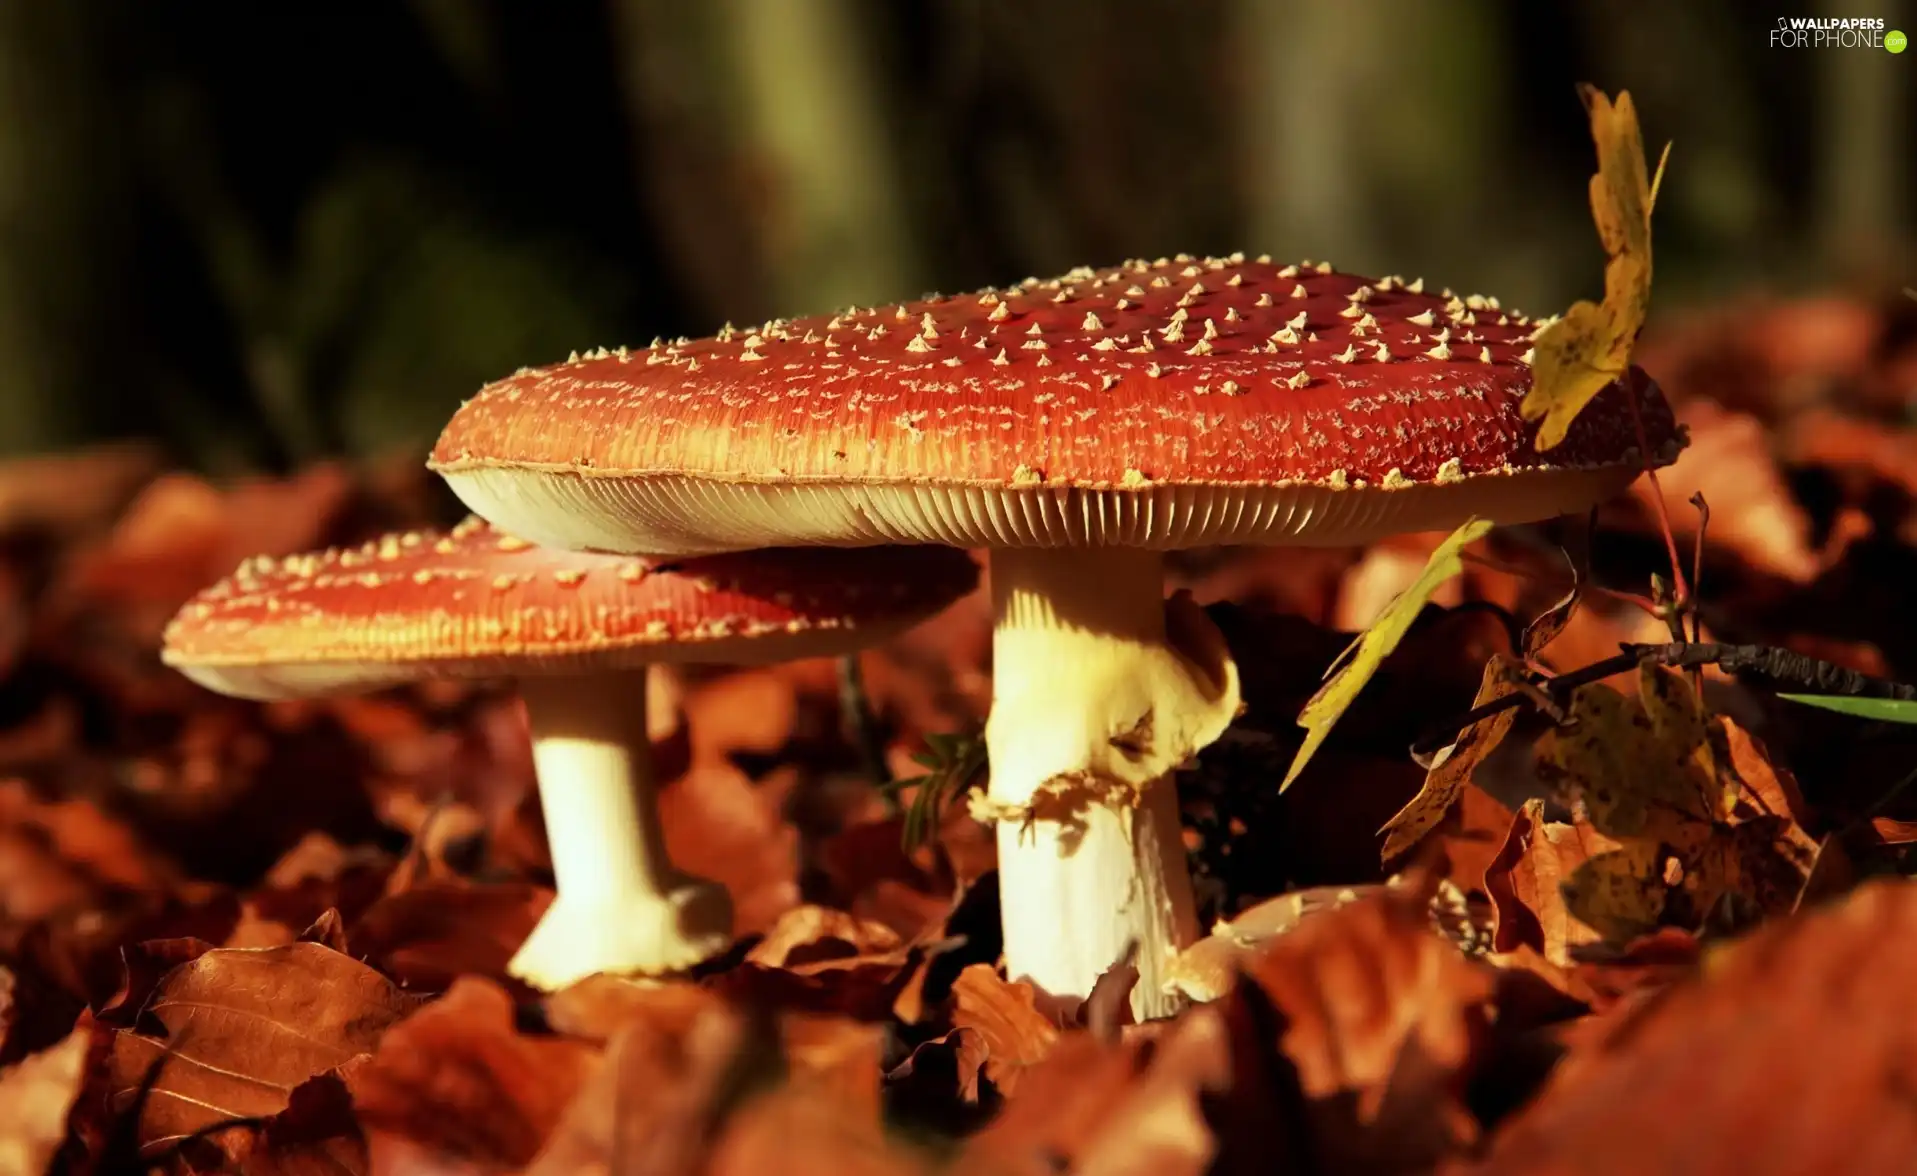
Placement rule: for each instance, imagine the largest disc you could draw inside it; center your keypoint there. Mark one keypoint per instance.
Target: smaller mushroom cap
(474, 602)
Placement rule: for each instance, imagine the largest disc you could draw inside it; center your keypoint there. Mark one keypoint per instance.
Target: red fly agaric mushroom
(1078, 427)
(577, 631)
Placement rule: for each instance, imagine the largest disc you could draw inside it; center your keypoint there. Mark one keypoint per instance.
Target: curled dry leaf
(659, 1094)
(1526, 883)
(1135, 1106)
(229, 1034)
(37, 1095)
(1441, 808)
(1789, 1052)
(810, 934)
(999, 1030)
(599, 1007)
(1380, 1018)
(458, 1084)
(1211, 967)
(798, 1132)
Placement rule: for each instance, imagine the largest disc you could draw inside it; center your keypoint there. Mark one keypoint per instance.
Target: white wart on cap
(1163, 404)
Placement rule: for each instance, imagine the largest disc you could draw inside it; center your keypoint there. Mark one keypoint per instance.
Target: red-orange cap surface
(473, 603)
(1164, 404)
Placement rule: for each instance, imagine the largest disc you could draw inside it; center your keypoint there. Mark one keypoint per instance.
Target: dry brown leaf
(1119, 1107)
(1438, 800)
(837, 1057)
(799, 1132)
(1526, 885)
(316, 1135)
(34, 1014)
(599, 1007)
(231, 1033)
(36, 1097)
(73, 493)
(1381, 1018)
(1211, 967)
(720, 825)
(873, 876)
(1003, 1020)
(458, 1082)
(1789, 1052)
(182, 533)
(430, 935)
(316, 875)
(65, 856)
(809, 934)
(1753, 514)
(659, 1094)
(865, 988)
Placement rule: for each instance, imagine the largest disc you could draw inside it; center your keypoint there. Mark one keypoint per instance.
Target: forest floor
(1632, 931)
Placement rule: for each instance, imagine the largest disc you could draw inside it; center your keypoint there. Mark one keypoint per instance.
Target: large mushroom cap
(474, 603)
(1167, 404)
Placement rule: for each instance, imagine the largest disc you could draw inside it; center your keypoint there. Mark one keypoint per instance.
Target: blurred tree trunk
(766, 153)
(59, 176)
(1372, 134)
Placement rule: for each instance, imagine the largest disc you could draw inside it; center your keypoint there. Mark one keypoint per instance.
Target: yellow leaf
(1642, 766)
(1620, 894)
(1682, 796)
(1577, 356)
(1362, 658)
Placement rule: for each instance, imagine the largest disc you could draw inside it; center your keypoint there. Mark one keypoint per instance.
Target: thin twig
(1776, 666)
(1697, 561)
(1634, 599)
(1680, 590)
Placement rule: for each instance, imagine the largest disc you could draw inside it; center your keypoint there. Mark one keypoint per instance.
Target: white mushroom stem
(622, 907)
(1101, 689)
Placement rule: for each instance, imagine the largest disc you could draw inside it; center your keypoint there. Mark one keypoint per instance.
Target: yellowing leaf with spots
(1575, 357)
(1642, 766)
(1362, 658)
(1697, 842)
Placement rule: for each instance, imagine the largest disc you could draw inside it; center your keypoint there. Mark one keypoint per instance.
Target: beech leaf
(237, 1029)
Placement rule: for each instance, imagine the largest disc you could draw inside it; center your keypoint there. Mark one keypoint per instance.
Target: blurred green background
(268, 233)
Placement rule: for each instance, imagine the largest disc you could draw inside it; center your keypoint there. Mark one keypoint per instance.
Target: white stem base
(653, 935)
(1102, 689)
(622, 907)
